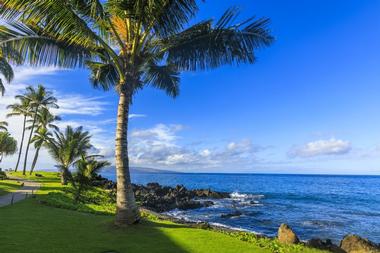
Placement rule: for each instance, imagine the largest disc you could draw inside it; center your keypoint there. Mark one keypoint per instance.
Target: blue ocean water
(319, 206)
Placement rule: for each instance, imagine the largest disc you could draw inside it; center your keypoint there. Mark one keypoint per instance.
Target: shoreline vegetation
(98, 202)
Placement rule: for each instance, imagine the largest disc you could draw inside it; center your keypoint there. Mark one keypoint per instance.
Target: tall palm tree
(128, 44)
(39, 99)
(8, 145)
(68, 146)
(20, 109)
(42, 134)
(3, 126)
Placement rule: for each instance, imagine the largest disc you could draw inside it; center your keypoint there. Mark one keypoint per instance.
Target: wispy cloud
(321, 148)
(76, 104)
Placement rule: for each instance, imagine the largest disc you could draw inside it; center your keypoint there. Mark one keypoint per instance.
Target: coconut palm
(3, 125)
(128, 44)
(20, 109)
(42, 134)
(68, 146)
(39, 99)
(8, 145)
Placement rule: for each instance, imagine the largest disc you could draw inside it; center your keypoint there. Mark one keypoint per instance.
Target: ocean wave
(237, 195)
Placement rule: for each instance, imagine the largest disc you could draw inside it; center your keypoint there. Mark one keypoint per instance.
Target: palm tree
(3, 125)
(86, 170)
(8, 145)
(128, 44)
(67, 147)
(20, 109)
(42, 134)
(39, 99)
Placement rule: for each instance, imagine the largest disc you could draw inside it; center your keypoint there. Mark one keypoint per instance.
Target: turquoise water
(314, 205)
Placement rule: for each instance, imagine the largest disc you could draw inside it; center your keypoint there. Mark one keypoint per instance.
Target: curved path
(20, 194)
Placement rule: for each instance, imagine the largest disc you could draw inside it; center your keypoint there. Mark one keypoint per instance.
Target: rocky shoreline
(156, 199)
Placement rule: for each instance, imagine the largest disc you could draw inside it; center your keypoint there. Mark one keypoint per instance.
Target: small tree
(87, 169)
(67, 147)
(8, 145)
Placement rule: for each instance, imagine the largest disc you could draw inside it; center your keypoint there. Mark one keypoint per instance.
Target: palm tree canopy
(3, 125)
(8, 145)
(38, 98)
(66, 147)
(128, 43)
(20, 108)
(45, 119)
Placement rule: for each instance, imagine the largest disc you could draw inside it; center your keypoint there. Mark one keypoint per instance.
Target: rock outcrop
(356, 244)
(159, 198)
(324, 245)
(286, 235)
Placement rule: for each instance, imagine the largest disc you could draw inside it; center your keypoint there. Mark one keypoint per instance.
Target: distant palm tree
(68, 146)
(3, 125)
(20, 109)
(42, 134)
(8, 145)
(39, 99)
(128, 44)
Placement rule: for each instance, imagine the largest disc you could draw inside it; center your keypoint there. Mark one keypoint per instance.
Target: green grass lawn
(7, 186)
(32, 227)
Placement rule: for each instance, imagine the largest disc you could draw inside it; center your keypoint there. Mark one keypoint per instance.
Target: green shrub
(3, 176)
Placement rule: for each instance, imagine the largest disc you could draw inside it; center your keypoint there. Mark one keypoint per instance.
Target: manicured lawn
(32, 227)
(7, 186)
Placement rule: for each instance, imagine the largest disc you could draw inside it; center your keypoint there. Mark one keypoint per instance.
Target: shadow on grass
(30, 227)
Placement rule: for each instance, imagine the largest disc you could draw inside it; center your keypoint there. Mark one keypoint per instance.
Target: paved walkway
(20, 194)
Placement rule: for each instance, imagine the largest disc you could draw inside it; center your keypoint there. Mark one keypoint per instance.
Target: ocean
(315, 206)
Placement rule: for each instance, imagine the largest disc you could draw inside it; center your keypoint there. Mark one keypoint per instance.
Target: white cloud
(160, 146)
(76, 104)
(24, 73)
(321, 148)
(134, 115)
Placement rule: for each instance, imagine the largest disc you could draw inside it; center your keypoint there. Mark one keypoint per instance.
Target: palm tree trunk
(21, 144)
(127, 211)
(34, 160)
(64, 177)
(30, 138)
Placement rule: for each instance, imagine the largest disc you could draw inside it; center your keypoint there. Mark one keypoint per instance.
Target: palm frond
(204, 46)
(164, 77)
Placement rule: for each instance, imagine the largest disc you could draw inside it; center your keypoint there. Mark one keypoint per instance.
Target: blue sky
(309, 105)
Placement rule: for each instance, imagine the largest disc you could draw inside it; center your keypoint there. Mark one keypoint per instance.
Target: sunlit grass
(36, 225)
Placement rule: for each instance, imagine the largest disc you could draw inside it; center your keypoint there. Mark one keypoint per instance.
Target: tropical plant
(8, 145)
(86, 170)
(20, 109)
(39, 99)
(7, 71)
(42, 134)
(128, 44)
(67, 147)
(3, 125)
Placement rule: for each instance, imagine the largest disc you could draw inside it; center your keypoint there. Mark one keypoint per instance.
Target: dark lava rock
(159, 198)
(324, 245)
(230, 215)
(356, 244)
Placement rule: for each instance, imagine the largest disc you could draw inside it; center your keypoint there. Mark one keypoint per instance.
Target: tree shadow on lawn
(34, 228)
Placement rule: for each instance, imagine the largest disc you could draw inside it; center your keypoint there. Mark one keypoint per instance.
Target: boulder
(324, 245)
(286, 235)
(356, 244)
